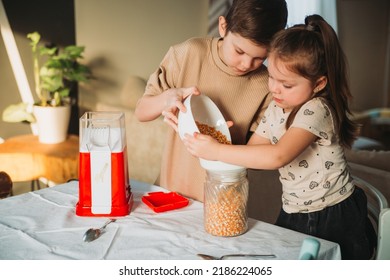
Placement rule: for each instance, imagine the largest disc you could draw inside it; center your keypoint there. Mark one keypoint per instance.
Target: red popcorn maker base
(122, 198)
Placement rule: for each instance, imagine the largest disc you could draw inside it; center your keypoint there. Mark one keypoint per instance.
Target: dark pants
(345, 223)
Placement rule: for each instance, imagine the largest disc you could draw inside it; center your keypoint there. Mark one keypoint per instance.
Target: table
(24, 158)
(43, 225)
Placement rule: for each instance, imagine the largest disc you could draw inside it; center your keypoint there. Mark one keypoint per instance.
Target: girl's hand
(202, 146)
(174, 102)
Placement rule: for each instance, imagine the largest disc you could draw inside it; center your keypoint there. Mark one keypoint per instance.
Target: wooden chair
(379, 213)
(5, 185)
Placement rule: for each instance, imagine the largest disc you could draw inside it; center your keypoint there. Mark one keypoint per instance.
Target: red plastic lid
(161, 201)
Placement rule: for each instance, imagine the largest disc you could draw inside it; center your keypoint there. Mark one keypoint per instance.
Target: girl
(303, 134)
(228, 69)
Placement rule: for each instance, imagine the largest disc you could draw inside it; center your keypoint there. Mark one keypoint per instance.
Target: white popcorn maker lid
(102, 131)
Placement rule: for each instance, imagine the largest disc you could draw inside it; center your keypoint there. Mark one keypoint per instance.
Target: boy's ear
(320, 84)
(222, 26)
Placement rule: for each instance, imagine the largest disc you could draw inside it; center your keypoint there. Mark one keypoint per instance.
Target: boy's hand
(174, 102)
(202, 146)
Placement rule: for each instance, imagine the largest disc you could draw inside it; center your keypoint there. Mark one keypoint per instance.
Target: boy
(229, 70)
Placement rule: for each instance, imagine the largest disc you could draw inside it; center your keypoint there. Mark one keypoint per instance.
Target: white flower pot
(52, 123)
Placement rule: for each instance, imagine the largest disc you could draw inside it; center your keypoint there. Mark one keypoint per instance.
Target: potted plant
(55, 73)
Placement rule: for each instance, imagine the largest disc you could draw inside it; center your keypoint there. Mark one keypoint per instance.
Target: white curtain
(217, 8)
(299, 9)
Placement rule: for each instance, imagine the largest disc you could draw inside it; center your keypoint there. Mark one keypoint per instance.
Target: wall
(364, 31)
(131, 37)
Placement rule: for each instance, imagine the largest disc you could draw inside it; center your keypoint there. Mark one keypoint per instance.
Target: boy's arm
(150, 107)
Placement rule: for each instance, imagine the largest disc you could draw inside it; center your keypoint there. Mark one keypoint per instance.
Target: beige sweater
(195, 62)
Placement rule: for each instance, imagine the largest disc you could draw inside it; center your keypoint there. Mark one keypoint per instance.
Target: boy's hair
(312, 50)
(257, 20)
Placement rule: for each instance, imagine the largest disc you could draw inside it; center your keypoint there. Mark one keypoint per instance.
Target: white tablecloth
(43, 225)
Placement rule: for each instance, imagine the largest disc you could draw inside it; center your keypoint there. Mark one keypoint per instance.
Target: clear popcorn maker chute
(104, 187)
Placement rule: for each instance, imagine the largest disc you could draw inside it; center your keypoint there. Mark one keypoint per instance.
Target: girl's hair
(312, 50)
(257, 20)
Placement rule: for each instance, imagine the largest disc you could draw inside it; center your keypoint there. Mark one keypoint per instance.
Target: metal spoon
(237, 256)
(94, 233)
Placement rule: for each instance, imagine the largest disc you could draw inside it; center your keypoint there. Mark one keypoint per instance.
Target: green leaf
(51, 79)
(18, 113)
(74, 52)
(64, 93)
(47, 51)
(54, 63)
(35, 38)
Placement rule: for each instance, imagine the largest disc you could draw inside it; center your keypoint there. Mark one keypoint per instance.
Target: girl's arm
(258, 154)
(257, 139)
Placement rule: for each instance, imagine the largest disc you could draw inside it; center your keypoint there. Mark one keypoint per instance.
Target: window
(298, 10)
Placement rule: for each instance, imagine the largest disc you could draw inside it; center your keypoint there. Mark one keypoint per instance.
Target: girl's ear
(320, 84)
(222, 26)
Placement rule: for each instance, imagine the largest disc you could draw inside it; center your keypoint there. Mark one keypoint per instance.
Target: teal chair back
(383, 249)
(310, 248)
(379, 214)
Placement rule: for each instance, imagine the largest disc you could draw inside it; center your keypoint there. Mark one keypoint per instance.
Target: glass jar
(225, 202)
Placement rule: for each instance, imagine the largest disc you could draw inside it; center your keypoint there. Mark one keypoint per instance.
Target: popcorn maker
(104, 188)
